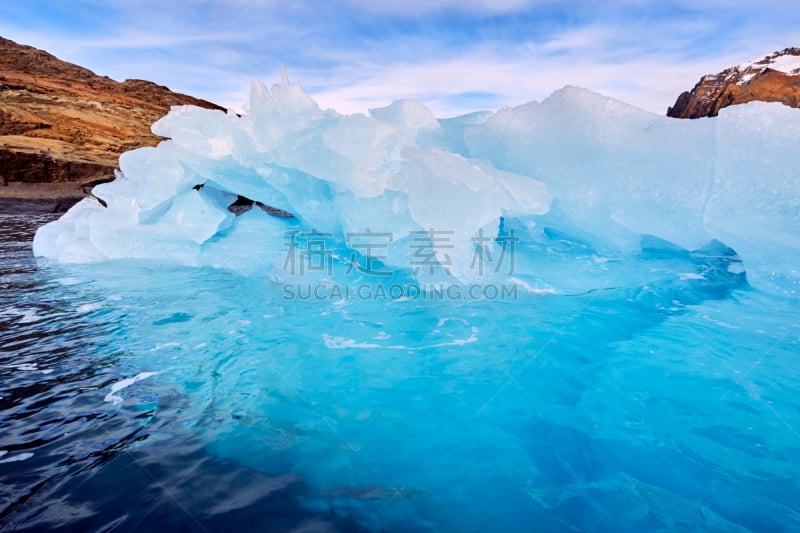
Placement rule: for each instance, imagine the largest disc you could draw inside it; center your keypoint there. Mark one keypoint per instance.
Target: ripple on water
(140, 397)
(70, 460)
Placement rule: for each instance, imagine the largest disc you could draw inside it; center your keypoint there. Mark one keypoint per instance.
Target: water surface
(138, 396)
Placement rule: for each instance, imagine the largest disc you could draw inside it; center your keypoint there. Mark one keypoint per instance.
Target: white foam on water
(116, 399)
(88, 308)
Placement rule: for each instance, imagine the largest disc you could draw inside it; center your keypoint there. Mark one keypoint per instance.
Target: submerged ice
(577, 167)
(664, 401)
(639, 408)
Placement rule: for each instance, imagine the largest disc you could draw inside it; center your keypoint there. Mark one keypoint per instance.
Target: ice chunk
(608, 163)
(198, 215)
(255, 242)
(67, 239)
(408, 116)
(340, 175)
(284, 100)
(477, 196)
(754, 205)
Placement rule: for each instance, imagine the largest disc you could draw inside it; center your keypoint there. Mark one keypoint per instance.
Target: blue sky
(454, 56)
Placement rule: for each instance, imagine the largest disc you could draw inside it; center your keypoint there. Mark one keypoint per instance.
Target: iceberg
(576, 165)
(635, 381)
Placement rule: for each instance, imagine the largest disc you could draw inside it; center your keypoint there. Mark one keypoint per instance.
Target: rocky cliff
(775, 78)
(63, 123)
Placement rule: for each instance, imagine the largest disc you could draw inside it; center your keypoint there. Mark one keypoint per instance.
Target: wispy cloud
(450, 87)
(455, 56)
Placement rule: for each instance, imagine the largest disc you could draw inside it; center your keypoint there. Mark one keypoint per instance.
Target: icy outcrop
(338, 175)
(577, 166)
(614, 169)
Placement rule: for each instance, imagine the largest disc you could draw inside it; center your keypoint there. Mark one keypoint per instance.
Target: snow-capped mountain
(774, 78)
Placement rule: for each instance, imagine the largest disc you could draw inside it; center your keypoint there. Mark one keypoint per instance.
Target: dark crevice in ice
(243, 204)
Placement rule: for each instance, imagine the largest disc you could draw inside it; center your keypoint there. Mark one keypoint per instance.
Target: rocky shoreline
(18, 198)
(63, 127)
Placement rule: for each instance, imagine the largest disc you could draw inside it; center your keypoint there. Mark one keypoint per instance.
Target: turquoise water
(664, 400)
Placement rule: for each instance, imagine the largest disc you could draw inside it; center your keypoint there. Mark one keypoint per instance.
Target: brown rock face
(62, 123)
(775, 78)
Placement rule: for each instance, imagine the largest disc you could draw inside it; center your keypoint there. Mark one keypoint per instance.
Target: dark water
(71, 462)
(658, 406)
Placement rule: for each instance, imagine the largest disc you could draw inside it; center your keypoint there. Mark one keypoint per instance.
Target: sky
(453, 56)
